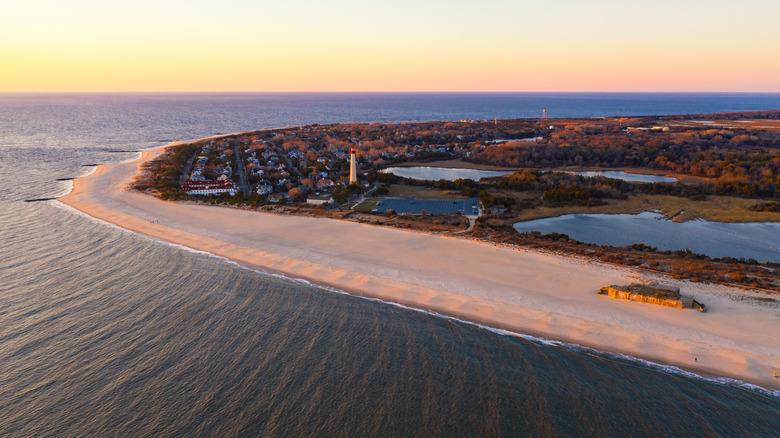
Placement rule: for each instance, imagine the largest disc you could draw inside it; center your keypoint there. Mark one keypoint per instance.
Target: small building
(497, 209)
(278, 198)
(264, 187)
(209, 187)
(319, 199)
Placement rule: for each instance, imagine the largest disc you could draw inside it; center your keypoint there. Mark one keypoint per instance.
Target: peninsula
(716, 167)
(521, 289)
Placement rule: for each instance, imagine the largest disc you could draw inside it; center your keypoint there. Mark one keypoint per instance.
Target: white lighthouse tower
(352, 166)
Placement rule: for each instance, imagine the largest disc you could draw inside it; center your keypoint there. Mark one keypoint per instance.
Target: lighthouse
(352, 166)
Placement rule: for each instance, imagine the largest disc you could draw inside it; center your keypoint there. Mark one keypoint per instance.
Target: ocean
(104, 332)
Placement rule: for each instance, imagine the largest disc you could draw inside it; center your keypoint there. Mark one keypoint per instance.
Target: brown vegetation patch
(713, 208)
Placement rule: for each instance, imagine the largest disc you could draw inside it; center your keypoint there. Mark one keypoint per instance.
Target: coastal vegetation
(726, 166)
(682, 264)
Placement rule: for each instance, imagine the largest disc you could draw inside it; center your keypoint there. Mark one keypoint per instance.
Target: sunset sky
(402, 45)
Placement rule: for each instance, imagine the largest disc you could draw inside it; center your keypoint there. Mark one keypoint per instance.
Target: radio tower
(352, 166)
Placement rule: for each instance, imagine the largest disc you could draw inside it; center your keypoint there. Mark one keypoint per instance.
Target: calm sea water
(104, 332)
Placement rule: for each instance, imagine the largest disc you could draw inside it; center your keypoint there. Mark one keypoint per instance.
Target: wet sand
(515, 289)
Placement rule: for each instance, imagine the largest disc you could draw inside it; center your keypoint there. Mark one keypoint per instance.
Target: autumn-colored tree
(295, 193)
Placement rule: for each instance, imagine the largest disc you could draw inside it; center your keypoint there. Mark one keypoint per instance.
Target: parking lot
(464, 206)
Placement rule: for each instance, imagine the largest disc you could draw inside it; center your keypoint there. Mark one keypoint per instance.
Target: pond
(437, 173)
(760, 241)
(450, 174)
(625, 176)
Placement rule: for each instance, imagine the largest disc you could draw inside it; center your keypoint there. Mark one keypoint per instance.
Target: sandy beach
(519, 290)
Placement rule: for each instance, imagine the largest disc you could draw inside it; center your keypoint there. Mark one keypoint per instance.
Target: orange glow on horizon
(90, 46)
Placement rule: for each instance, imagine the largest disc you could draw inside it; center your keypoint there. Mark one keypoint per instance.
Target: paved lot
(465, 206)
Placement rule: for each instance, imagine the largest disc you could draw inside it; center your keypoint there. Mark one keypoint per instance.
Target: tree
(295, 193)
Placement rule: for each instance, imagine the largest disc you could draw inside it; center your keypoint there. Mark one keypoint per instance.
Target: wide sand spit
(519, 290)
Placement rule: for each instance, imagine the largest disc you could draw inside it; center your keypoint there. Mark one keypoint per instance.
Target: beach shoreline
(523, 291)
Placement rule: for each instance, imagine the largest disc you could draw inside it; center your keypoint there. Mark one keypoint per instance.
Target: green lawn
(367, 205)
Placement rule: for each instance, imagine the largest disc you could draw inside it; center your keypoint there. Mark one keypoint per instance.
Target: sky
(400, 45)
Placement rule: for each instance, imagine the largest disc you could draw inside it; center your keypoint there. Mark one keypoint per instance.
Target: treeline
(743, 163)
(162, 174)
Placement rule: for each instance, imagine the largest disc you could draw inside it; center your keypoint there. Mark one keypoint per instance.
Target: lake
(626, 176)
(760, 241)
(437, 173)
(450, 174)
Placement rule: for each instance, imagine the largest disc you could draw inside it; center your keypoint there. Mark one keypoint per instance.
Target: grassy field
(714, 208)
(368, 204)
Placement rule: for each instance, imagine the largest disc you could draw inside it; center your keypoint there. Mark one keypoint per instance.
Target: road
(240, 169)
(186, 172)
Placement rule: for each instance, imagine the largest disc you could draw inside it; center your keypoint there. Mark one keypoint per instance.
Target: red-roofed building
(207, 187)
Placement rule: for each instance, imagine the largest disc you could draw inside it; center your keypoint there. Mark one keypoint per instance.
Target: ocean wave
(69, 183)
(68, 188)
(667, 369)
(137, 155)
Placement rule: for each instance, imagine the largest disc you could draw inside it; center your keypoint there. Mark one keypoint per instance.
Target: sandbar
(520, 290)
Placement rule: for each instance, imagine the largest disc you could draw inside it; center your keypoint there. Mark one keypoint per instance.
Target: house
(324, 183)
(208, 187)
(497, 209)
(264, 187)
(278, 198)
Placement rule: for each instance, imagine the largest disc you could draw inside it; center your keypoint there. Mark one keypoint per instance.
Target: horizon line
(374, 92)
